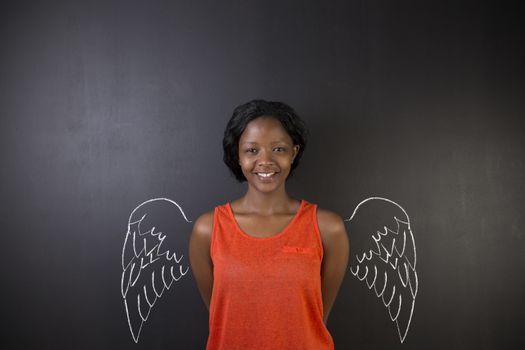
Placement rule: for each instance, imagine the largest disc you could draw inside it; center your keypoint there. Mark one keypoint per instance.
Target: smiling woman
(268, 266)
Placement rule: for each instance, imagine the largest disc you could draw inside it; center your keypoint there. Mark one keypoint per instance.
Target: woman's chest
(261, 226)
(275, 264)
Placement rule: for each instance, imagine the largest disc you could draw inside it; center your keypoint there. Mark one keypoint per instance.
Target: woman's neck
(266, 203)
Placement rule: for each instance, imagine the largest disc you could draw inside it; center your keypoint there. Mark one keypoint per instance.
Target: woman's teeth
(265, 174)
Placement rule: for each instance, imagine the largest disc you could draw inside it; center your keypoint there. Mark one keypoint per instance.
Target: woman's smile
(267, 177)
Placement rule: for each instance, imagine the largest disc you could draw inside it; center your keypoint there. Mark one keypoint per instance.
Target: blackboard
(106, 104)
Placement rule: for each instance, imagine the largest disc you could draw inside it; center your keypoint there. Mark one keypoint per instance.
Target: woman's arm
(335, 257)
(200, 258)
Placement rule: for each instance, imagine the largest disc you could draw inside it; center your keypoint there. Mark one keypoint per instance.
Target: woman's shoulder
(330, 223)
(203, 226)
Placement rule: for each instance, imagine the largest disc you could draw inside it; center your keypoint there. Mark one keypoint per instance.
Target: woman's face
(266, 153)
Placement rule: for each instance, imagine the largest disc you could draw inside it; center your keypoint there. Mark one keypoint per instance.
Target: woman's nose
(265, 157)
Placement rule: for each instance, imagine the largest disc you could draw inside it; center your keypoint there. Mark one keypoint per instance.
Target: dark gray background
(105, 104)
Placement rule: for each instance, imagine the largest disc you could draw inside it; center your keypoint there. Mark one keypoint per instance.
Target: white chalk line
(145, 246)
(390, 257)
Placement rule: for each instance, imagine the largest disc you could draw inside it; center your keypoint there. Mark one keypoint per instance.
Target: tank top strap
(223, 226)
(304, 235)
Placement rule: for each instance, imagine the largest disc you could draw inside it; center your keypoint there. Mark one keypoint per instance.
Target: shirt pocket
(297, 251)
(302, 266)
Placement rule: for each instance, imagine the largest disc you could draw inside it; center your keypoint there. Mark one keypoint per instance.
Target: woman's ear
(295, 151)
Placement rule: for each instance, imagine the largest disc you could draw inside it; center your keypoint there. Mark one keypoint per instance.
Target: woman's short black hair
(249, 111)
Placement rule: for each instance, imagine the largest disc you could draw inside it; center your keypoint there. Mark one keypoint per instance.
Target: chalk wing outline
(148, 270)
(391, 252)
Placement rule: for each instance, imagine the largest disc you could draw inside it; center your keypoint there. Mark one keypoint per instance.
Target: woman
(267, 266)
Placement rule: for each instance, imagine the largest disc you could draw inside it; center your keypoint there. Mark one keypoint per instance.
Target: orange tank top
(267, 291)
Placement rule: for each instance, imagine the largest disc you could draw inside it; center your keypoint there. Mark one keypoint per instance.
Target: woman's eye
(277, 149)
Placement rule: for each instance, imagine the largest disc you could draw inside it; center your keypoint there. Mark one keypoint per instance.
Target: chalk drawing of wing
(157, 228)
(386, 257)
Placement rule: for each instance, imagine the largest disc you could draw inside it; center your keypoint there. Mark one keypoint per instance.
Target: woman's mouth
(266, 177)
